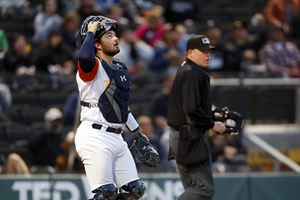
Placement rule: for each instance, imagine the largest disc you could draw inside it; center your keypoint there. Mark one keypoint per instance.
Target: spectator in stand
(282, 12)
(183, 36)
(136, 11)
(238, 48)
(258, 31)
(4, 46)
(228, 153)
(132, 12)
(281, 57)
(5, 100)
(168, 53)
(218, 146)
(105, 5)
(214, 33)
(143, 5)
(15, 10)
(52, 54)
(87, 8)
(46, 21)
(136, 53)
(67, 5)
(153, 29)
(5, 97)
(70, 26)
(46, 146)
(116, 12)
(18, 59)
(257, 28)
(178, 11)
(14, 164)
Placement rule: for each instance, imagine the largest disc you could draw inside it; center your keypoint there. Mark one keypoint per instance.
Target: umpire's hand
(219, 127)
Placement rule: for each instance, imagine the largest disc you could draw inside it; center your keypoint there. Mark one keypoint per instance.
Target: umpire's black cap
(200, 42)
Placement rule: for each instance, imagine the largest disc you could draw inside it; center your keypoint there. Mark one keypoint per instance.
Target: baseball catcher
(234, 121)
(142, 150)
(104, 86)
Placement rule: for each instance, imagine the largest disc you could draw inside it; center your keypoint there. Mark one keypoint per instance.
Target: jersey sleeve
(88, 76)
(87, 63)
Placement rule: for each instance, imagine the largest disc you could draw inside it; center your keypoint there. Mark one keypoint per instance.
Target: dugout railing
(271, 107)
(260, 100)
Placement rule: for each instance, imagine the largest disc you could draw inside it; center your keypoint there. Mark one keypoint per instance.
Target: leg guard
(106, 192)
(133, 190)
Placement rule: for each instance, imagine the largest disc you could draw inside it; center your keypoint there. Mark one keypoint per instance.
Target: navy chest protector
(113, 103)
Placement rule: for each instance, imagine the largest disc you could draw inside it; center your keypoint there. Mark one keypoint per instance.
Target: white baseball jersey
(105, 155)
(91, 85)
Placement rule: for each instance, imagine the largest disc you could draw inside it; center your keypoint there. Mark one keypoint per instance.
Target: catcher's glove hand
(142, 150)
(234, 121)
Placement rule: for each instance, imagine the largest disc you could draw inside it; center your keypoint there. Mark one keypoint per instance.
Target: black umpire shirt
(190, 99)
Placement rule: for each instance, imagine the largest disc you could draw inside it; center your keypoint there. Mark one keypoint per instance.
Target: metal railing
(254, 81)
(273, 152)
(255, 84)
(254, 138)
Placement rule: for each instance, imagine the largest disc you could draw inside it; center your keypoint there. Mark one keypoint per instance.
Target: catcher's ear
(98, 45)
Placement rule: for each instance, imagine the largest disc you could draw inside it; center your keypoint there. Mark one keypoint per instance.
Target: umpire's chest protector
(113, 103)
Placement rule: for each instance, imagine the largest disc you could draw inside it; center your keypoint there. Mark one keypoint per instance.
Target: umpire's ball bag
(192, 149)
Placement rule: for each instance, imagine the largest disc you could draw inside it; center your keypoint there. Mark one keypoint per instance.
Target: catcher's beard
(110, 52)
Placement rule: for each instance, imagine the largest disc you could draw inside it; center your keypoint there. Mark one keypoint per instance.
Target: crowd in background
(152, 38)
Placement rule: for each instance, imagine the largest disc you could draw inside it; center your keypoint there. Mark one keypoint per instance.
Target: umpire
(190, 117)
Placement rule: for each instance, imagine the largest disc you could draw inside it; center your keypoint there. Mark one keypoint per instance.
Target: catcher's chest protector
(114, 101)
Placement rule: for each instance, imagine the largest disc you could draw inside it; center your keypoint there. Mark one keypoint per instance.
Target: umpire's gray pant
(197, 182)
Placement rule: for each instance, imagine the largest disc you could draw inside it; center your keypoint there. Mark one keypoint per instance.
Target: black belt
(108, 129)
(87, 104)
(176, 128)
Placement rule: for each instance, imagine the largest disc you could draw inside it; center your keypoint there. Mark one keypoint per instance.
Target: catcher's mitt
(142, 150)
(234, 122)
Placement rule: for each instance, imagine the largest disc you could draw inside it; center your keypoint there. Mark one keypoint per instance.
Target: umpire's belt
(177, 128)
(108, 129)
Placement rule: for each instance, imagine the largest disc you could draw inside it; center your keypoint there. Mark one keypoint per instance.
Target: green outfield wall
(159, 187)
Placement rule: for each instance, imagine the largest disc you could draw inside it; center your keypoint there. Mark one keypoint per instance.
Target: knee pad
(106, 192)
(133, 190)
